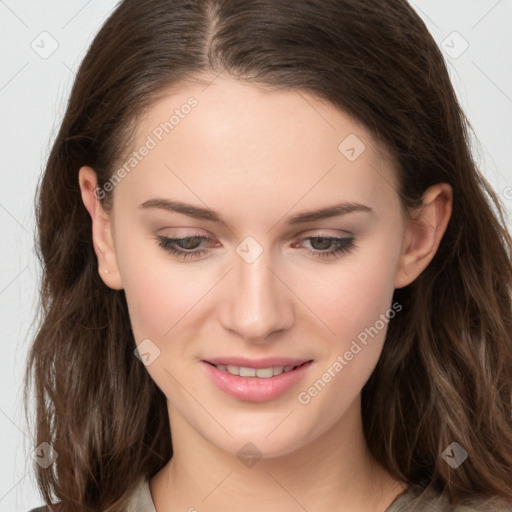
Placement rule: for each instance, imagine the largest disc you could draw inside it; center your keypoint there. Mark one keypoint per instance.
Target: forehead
(232, 137)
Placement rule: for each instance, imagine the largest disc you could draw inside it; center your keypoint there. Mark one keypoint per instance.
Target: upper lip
(265, 362)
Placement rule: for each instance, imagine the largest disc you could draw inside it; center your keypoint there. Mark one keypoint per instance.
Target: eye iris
(185, 242)
(327, 242)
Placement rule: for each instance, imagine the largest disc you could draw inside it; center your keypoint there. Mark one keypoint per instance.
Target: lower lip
(254, 389)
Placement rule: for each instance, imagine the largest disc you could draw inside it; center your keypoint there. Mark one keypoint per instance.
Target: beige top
(406, 502)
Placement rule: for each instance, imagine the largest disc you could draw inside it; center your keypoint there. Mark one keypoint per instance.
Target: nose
(257, 300)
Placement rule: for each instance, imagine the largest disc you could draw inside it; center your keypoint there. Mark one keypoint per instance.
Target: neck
(336, 468)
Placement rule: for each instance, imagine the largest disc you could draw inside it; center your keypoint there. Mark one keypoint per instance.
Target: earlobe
(424, 233)
(101, 229)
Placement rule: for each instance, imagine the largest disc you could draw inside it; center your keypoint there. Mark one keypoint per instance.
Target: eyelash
(344, 246)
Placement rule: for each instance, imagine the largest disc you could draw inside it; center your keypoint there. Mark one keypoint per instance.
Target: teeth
(247, 372)
(262, 373)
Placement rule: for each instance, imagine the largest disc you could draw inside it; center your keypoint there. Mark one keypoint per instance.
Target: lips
(254, 383)
(266, 362)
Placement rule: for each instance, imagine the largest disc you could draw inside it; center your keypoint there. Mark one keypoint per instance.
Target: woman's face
(266, 278)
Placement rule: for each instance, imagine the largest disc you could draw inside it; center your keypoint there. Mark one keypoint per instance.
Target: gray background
(42, 44)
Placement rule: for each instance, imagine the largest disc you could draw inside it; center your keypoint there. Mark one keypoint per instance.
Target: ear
(424, 232)
(101, 229)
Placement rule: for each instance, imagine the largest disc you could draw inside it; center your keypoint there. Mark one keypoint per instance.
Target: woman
(263, 234)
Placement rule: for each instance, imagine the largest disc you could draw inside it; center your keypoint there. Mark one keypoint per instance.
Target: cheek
(355, 303)
(163, 302)
(365, 293)
(350, 296)
(357, 307)
(157, 293)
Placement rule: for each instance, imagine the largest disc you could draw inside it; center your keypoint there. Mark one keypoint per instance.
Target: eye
(183, 247)
(336, 246)
(189, 247)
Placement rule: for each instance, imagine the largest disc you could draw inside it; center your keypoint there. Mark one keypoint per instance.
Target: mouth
(260, 373)
(256, 381)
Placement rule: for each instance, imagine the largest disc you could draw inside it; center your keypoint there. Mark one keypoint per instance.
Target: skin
(258, 157)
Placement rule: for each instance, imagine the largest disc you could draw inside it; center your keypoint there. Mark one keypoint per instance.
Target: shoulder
(140, 499)
(489, 505)
(427, 500)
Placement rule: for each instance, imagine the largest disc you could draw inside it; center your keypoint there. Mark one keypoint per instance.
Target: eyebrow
(210, 215)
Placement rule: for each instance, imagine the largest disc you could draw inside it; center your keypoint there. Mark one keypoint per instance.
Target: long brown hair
(445, 374)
